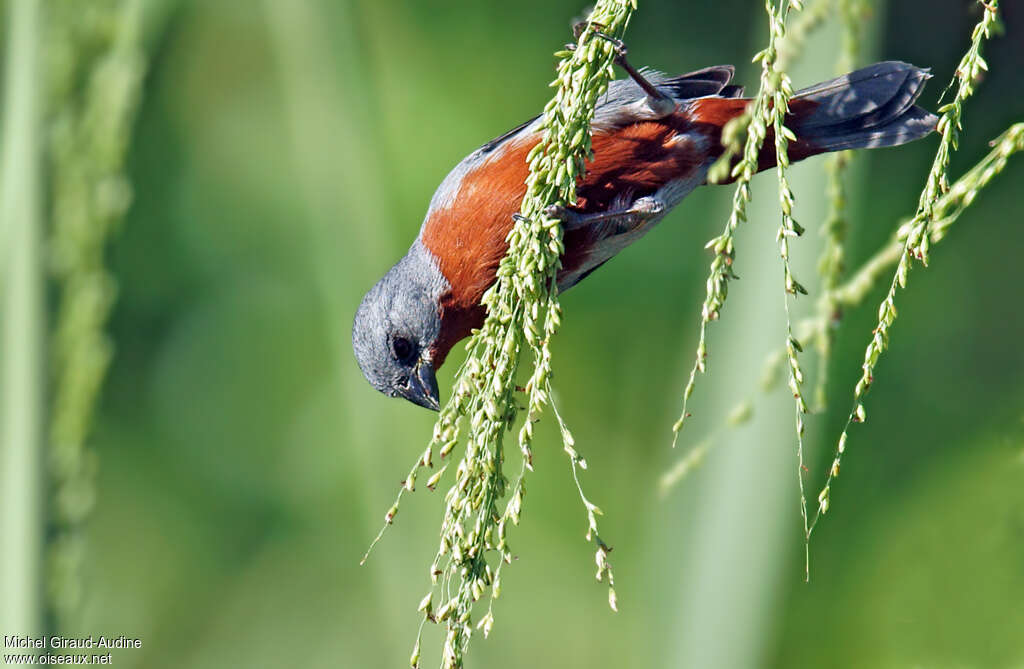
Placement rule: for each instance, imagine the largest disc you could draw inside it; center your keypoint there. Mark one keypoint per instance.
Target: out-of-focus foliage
(283, 158)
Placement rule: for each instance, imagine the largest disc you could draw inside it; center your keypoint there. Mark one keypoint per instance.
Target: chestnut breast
(467, 226)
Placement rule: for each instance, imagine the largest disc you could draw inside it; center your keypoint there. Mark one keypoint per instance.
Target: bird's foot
(660, 104)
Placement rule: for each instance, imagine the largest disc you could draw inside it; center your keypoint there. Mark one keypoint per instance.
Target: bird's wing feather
(471, 213)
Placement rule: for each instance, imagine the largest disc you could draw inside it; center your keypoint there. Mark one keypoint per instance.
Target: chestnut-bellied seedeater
(654, 137)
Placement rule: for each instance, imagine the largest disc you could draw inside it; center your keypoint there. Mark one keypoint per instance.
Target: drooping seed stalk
(523, 314)
(754, 126)
(852, 292)
(91, 109)
(918, 232)
(831, 264)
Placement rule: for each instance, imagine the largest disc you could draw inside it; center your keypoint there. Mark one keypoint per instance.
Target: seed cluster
(917, 234)
(832, 263)
(766, 110)
(851, 293)
(94, 74)
(523, 314)
(939, 207)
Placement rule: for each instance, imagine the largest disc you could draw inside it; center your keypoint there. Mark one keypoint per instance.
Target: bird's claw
(561, 213)
(620, 47)
(661, 104)
(580, 27)
(621, 51)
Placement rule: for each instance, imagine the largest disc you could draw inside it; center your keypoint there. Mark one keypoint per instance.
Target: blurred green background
(283, 157)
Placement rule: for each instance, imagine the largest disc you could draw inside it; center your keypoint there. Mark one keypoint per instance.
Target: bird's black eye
(404, 350)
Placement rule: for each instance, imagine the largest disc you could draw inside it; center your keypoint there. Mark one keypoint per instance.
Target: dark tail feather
(709, 81)
(866, 109)
(870, 108)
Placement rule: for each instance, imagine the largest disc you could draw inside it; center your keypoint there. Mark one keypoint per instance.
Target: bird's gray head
(396, 327)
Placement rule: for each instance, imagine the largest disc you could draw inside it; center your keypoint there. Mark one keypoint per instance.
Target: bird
(654, 138)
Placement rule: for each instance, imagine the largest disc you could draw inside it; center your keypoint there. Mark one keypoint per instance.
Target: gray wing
(625, 102)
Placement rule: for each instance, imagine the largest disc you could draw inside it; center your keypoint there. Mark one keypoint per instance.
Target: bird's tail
(870, 108)
(866, 109)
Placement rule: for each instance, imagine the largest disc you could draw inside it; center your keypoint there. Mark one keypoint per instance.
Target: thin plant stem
(22, 364)
(918, 231)
(832, 262)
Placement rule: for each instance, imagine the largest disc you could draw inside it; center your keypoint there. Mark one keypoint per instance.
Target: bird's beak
(422, 388)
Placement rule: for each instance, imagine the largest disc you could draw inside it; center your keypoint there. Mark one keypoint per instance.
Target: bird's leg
(617, 222)
(660, 104)
(579, 28)
(657, 100)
